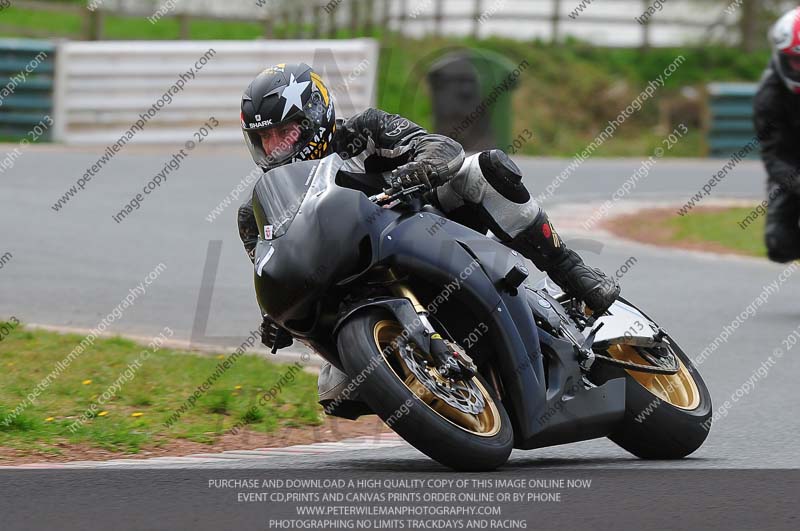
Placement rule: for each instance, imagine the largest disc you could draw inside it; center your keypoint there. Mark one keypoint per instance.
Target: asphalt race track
(71, 268)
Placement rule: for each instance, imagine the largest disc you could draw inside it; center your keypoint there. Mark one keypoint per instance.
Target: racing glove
(274, 336)
(412, 174)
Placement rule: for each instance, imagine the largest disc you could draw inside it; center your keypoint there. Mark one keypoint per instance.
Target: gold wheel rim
(484, 424)
(679, 389)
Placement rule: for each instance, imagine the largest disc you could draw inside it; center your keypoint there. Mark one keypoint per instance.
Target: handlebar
(391, 199)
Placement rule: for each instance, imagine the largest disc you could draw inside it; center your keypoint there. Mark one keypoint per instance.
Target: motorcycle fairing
(578, 414)
(320, 246)
(338, 233)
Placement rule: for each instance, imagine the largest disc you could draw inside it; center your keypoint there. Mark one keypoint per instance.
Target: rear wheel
(667, 416)
(459, 424)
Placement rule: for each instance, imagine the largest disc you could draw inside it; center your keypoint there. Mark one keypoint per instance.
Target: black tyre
(434, 425)
(666, 416)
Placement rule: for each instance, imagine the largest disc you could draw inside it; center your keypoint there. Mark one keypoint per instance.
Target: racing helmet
(785, 40)
(287, 116)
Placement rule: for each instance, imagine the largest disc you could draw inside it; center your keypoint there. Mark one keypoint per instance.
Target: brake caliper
(451, 360)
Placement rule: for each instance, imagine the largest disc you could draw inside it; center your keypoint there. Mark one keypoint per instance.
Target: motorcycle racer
(288, 115)
(776, 115)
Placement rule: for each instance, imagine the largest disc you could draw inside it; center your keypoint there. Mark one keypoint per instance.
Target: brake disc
(464, 396)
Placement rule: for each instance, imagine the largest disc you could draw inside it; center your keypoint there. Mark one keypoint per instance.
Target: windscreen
(281, 192)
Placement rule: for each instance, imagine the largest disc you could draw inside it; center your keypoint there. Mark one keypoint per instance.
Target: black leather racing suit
(483, 191)
(372, 142)
(776, 112)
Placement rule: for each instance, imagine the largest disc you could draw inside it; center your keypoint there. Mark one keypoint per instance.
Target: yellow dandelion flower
(86, 382)
(49, 419)
(137, 414)
(238, 387)
(102, 414)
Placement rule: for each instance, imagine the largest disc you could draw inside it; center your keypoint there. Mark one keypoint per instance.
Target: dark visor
(790, 64)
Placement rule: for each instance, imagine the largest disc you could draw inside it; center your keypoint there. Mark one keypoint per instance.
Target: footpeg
(585, 352)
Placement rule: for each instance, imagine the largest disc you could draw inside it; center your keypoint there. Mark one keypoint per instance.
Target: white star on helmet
(293, 93)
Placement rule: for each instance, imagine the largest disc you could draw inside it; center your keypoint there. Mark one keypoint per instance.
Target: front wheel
(460, 424)
(667, 416)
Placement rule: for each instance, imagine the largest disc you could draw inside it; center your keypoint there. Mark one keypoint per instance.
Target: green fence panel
(26, 85)
(731, 127)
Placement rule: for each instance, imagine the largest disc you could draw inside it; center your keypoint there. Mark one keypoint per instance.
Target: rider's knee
(491, 182)
(503, 175)
(486, 173)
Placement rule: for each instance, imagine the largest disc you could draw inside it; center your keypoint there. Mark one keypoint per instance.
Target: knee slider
(503, 175)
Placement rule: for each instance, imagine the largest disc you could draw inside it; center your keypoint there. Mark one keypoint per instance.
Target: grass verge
(715, 229)
(134, 415)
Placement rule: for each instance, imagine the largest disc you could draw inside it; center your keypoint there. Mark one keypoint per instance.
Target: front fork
(449, 359)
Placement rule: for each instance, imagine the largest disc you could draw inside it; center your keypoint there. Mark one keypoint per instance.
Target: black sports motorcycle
(443, 338)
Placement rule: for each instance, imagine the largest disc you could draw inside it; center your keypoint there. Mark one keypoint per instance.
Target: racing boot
(540, 244)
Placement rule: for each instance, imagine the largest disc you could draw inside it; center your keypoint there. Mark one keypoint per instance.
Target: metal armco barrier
(103, 88)
(731, 126)
(26, 84)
